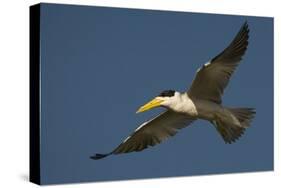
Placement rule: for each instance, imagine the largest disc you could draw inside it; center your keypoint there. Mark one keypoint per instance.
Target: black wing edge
(238, 44)
(99, 156)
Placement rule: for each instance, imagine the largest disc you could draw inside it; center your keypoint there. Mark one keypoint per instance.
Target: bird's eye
(167, 93)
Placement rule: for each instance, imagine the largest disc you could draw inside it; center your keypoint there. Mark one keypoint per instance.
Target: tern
(203, 100)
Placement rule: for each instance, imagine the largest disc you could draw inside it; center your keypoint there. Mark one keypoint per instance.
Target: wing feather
(151, 133)
(154, 132)
(212, 78)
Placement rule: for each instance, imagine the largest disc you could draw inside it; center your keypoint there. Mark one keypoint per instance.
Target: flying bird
(203, 100)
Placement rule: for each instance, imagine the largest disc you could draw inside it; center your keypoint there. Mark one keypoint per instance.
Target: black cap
(167, 93)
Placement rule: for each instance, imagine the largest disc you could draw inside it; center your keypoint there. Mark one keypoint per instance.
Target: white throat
(181, 103)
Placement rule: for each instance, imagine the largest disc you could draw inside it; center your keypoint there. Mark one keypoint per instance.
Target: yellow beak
(151, 104)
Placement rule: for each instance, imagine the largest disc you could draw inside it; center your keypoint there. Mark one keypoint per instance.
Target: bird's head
(164, 99)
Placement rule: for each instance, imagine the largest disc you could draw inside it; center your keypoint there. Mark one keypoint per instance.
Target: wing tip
(245, 27)
(99, 156)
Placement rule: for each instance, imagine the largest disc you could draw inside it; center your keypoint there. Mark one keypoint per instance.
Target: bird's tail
(233, 122)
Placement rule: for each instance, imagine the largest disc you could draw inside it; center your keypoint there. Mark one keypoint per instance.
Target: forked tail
(232, 123)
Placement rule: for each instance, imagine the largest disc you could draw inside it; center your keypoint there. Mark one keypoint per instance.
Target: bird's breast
(186, 106)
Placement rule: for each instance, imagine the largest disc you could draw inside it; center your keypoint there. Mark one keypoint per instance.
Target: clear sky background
(98, 65)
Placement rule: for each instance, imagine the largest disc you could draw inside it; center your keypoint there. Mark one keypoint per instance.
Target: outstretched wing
(212, 78)
(151, 133)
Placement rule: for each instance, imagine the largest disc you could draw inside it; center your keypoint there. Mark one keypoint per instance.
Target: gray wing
(212, 78)
(151, 133)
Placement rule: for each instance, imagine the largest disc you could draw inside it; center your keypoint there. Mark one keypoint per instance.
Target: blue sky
(98, 65)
